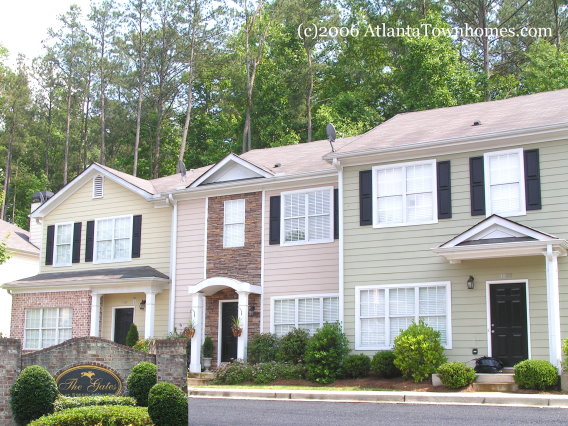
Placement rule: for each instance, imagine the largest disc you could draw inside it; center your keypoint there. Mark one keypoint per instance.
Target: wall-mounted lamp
(252, 308)
(143, 305)
(470, 282)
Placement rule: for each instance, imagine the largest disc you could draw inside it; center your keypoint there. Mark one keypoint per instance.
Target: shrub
(418, 351)
(65, 402)
(565, 352)
(355, 366)
(142, 345)
(293, 346)
(102, 415)
(325, 353)
(536, 374)
(32, 395)
(208, 347)
(141, 379)
(382, 365)
(456, 375)
(167, 405)
(132, 336)
(263, 347)
(233, 373)
(260, 373)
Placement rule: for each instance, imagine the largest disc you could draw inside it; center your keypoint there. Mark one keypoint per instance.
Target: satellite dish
(181, 169)
(330, 130)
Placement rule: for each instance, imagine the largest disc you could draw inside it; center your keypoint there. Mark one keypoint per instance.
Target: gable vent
(98, 185)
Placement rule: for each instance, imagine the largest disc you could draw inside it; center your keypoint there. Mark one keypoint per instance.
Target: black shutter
(77, 242)
(274, 231)
(49, 245)
(365, 197)
(90, 241)
(335, 214)
(444, 190)
(136, 235)
(532, 180)
(477, 186)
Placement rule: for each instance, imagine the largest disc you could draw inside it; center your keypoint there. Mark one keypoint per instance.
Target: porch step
(199, 379)
(494, 387)
(495, 378)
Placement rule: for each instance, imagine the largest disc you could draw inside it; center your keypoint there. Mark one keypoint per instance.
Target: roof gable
(230, 168)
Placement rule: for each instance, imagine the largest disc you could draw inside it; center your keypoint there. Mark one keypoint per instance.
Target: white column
(553, 301)
(95, 314)
(150, 315)
(197, 303)
(243, 318)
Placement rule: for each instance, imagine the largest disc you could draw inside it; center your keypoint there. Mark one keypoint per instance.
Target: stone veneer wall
(171, 360)
(10, 350)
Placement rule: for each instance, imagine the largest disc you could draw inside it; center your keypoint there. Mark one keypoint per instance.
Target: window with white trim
(63, 246)
(308, 313)
(307, 216)
(405, 194)
(98, 186)
(113, 239)
(383, 311)
(46, 327)
(234, 223)
(504, 183)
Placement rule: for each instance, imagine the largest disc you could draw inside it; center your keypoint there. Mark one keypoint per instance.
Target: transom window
(405, 194)
(63, 244)
(234, 226)
(382, 312)
(307, 216)
(504, 183)
(47, 327)
(308, 313)
(113, 239)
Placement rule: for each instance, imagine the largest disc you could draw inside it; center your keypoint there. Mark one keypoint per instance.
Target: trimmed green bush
(263, 347)
(382, 365)
(455, 375)
(132, 336)
(142, 377)
(293, 346)
(261, 373)
(208, 347)
(536, 374)
(142, 345)
(325, 353)
(102, 415)
(418, 351)
(233, 373)
(565, 352)
(356, 366)
(65, 402)
(167, 405)
(32, 395)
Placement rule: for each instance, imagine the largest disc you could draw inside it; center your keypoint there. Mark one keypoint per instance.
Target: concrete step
(199, 379)
(196, 382)
(494, 387)
(494, 378)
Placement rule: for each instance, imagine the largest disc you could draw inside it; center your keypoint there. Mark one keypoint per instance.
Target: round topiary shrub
(142, 377)
(33, 394)
(263, 347)
(536, 374)
(325, 353)
(167, 405)
(382, 365)
(356, 366)
(455, 375)
(293, 346)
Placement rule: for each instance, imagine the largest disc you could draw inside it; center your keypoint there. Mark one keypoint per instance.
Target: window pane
(49, 318)
(504, 168)
(65, 317)
(389, 182)
(122, 248)
(432, 300)
(372, 303)
(64, 334)
(419, 178)
(419, 207)
(294, 205)
(235, 211)
(398, 324)
(33, 318)
(401, 301)
(438, 324)
(319, 228)
(389, 209)
(32, 339)
(318, 203)
(281, 330)
(104, 229)
(104, 250)
(64, 233)
(48, 337)
(285, 311)
(122, 227)
(234, 235)
(505, 198)
(63, 254)
(294, 229)
(373, 332)
(309, 310)
(330, 309)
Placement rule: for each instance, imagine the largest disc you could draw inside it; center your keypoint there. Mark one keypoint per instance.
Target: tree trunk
(310, 91)
(138, 120)
(67, 137)
(103, 125)
(48, 140)
(189, 95)
(156, 165)
(483, 11)
(556, 25)
(85, 132)
(8, 171)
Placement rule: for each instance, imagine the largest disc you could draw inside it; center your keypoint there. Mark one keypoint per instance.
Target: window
(113, 239)
(306, 312)
(405, 194)
(383, 311)
(504, 183)
(47, 327)
(63, 244)
(98, 185)
(307, 217)
(234, 228)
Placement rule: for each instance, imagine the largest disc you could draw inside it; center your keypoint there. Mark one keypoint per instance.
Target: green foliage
(418, 351)
(382, 365)
(142, 345)
(536, 374)
(132, 336)
(325, 353)
(455, 375)
(356, 366)
(102, 415)
(546, 68)
(263, 347)
(565, 352)
(208, 347)
(32, 395)
(293, 346)
(261, 373)
(233, 373)
(167, 405)
(142, 377)
(65, 402)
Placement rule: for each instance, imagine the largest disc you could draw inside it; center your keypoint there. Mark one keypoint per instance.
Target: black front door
(123, 317)
(228, 341)
(509, 337)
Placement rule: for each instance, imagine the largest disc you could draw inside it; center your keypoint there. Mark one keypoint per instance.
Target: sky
(24, 23)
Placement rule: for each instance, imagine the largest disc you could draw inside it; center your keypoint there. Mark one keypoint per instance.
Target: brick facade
(171, 360)
(10, 350)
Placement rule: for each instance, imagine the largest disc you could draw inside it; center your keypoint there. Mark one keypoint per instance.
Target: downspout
(339, 168)
(173, 263)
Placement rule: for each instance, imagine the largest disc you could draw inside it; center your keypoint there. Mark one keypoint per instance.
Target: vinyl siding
(403, 254)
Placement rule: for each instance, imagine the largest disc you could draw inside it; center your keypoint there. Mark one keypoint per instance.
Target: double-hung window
(63, 246)
(234, 223)
(383, 311)
(46, 327)
(307, 216)
(113, 239)
(504, 183)
(305, 312)
(405, 194)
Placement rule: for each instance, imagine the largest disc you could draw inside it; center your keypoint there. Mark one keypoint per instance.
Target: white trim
(488, 312)
(173, 266)
(296, 297)
(341, 248)
(205, 238)
(102, 184)
(262, 242)
(220, 325)
(487, 176)
(41, 328)
(70, 261)
(112, 260)
(114, 308)
(225, 224)
(229, 158)
(210, 286)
